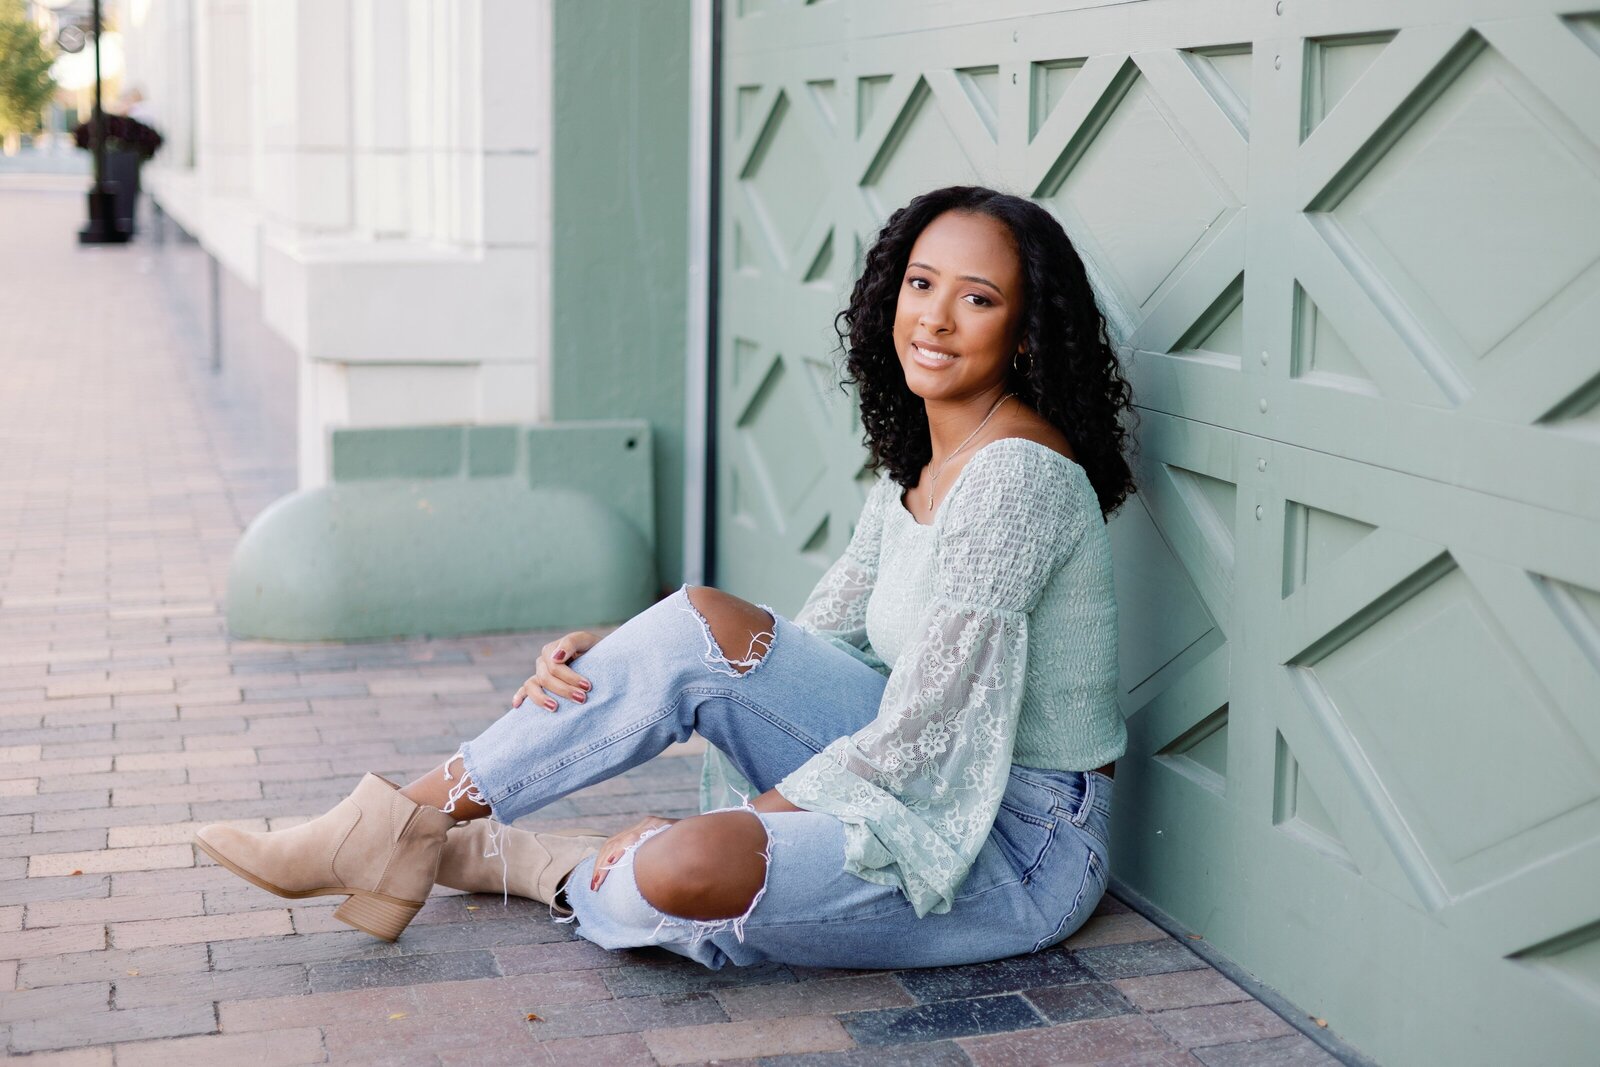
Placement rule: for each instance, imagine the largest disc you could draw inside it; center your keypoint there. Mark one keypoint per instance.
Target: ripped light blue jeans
(661, 677)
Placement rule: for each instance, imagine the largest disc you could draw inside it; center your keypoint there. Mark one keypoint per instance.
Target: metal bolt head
(1280, 7)
(1261, 464)
(1264, 357)
(1259, 511)
(1263, 405)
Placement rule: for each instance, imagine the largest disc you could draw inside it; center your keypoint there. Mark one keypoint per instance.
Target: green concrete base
(454, 530)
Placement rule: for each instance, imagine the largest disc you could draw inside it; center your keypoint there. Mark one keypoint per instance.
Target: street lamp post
(102, 228)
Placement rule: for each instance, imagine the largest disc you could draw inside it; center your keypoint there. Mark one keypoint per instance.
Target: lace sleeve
(836, 611)
(837, 607)
(919, 787)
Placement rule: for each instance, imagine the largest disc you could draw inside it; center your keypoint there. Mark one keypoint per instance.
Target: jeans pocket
(1090, 890)
(1025, 838)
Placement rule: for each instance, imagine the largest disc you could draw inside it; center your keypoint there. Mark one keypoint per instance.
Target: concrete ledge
(228, 227)
(350, 300)
(452, 530)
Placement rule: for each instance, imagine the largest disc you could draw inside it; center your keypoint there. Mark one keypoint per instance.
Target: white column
(224, 97)
(509, 132)
(378, 170)
(303, 70)
(434, 307)
(159, 46)
(381, 76)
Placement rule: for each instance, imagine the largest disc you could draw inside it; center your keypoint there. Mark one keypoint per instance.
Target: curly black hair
(1072, 377)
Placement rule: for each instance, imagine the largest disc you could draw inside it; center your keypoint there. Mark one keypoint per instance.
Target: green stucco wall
(620, 236)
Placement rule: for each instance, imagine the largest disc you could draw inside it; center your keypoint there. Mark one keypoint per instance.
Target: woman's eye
(979, 299)
(918, 283)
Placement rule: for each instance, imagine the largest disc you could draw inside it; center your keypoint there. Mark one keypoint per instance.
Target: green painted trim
(402, 452)
(491, 451)
(619, 240)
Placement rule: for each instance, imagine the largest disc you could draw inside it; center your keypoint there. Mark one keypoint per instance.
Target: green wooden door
(1352, 254)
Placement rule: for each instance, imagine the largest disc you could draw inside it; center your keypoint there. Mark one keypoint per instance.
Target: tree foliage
(25, 85)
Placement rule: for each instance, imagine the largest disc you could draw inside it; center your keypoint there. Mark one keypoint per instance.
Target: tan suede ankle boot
(526, 864)
(377, 846)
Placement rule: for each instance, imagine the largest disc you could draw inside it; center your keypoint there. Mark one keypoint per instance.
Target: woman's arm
(773, 801)
(837, 607)
(836, 612)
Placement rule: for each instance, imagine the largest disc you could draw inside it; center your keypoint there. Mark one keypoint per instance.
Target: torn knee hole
(754, 653)
(758, 641)
(712, 872)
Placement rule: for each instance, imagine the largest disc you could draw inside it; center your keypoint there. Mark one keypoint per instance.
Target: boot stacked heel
(382, 917)
(377, 848)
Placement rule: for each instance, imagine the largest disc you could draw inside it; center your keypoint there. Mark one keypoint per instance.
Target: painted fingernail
(560, 656)
(551, 704)
(578, 696)
(585, 686)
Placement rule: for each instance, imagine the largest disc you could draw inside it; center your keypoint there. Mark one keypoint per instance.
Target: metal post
(214, 277)
(102, 228)
(97, 118)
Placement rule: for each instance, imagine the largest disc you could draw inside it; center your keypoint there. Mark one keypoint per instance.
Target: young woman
(931, 738)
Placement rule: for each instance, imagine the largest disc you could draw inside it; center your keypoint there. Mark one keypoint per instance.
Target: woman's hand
(612, 850)
(554, 678)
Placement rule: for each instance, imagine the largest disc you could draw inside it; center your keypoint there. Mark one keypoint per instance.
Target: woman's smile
(958, 310)
(932, 357)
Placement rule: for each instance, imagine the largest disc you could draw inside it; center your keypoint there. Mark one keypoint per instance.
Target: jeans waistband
(1077, 793)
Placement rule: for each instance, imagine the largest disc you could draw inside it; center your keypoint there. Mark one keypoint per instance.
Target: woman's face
(957, 317)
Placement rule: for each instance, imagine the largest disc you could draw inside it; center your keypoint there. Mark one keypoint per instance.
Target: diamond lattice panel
(1350, 261)
(1501, 244)
(783, 452)
(1139, 197)
(1161, 614)
(785, 179)
(921, 152)
(1435, 666)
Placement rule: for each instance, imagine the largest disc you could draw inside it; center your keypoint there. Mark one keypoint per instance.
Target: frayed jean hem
(464, 786)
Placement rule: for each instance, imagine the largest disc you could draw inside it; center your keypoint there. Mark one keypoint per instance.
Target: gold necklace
(933, 480)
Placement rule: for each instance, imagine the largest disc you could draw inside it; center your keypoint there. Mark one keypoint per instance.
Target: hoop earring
(1016, 363)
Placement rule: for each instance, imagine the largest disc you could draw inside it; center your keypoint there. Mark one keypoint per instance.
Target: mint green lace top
(997, 627)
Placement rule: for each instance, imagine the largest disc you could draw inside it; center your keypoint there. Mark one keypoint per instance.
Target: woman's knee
(707, 867)
(741, 630)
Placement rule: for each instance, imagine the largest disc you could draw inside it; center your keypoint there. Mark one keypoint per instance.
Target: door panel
(1350, 254)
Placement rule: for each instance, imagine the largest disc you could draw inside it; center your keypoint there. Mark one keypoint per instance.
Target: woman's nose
(936, 316)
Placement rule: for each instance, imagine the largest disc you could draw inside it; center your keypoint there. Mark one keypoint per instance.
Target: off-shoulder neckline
(900, 493)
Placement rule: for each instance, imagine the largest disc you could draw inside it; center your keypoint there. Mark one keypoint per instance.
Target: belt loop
(1081, 816)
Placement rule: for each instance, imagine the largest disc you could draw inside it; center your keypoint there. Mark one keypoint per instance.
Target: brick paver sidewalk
(127, 716)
